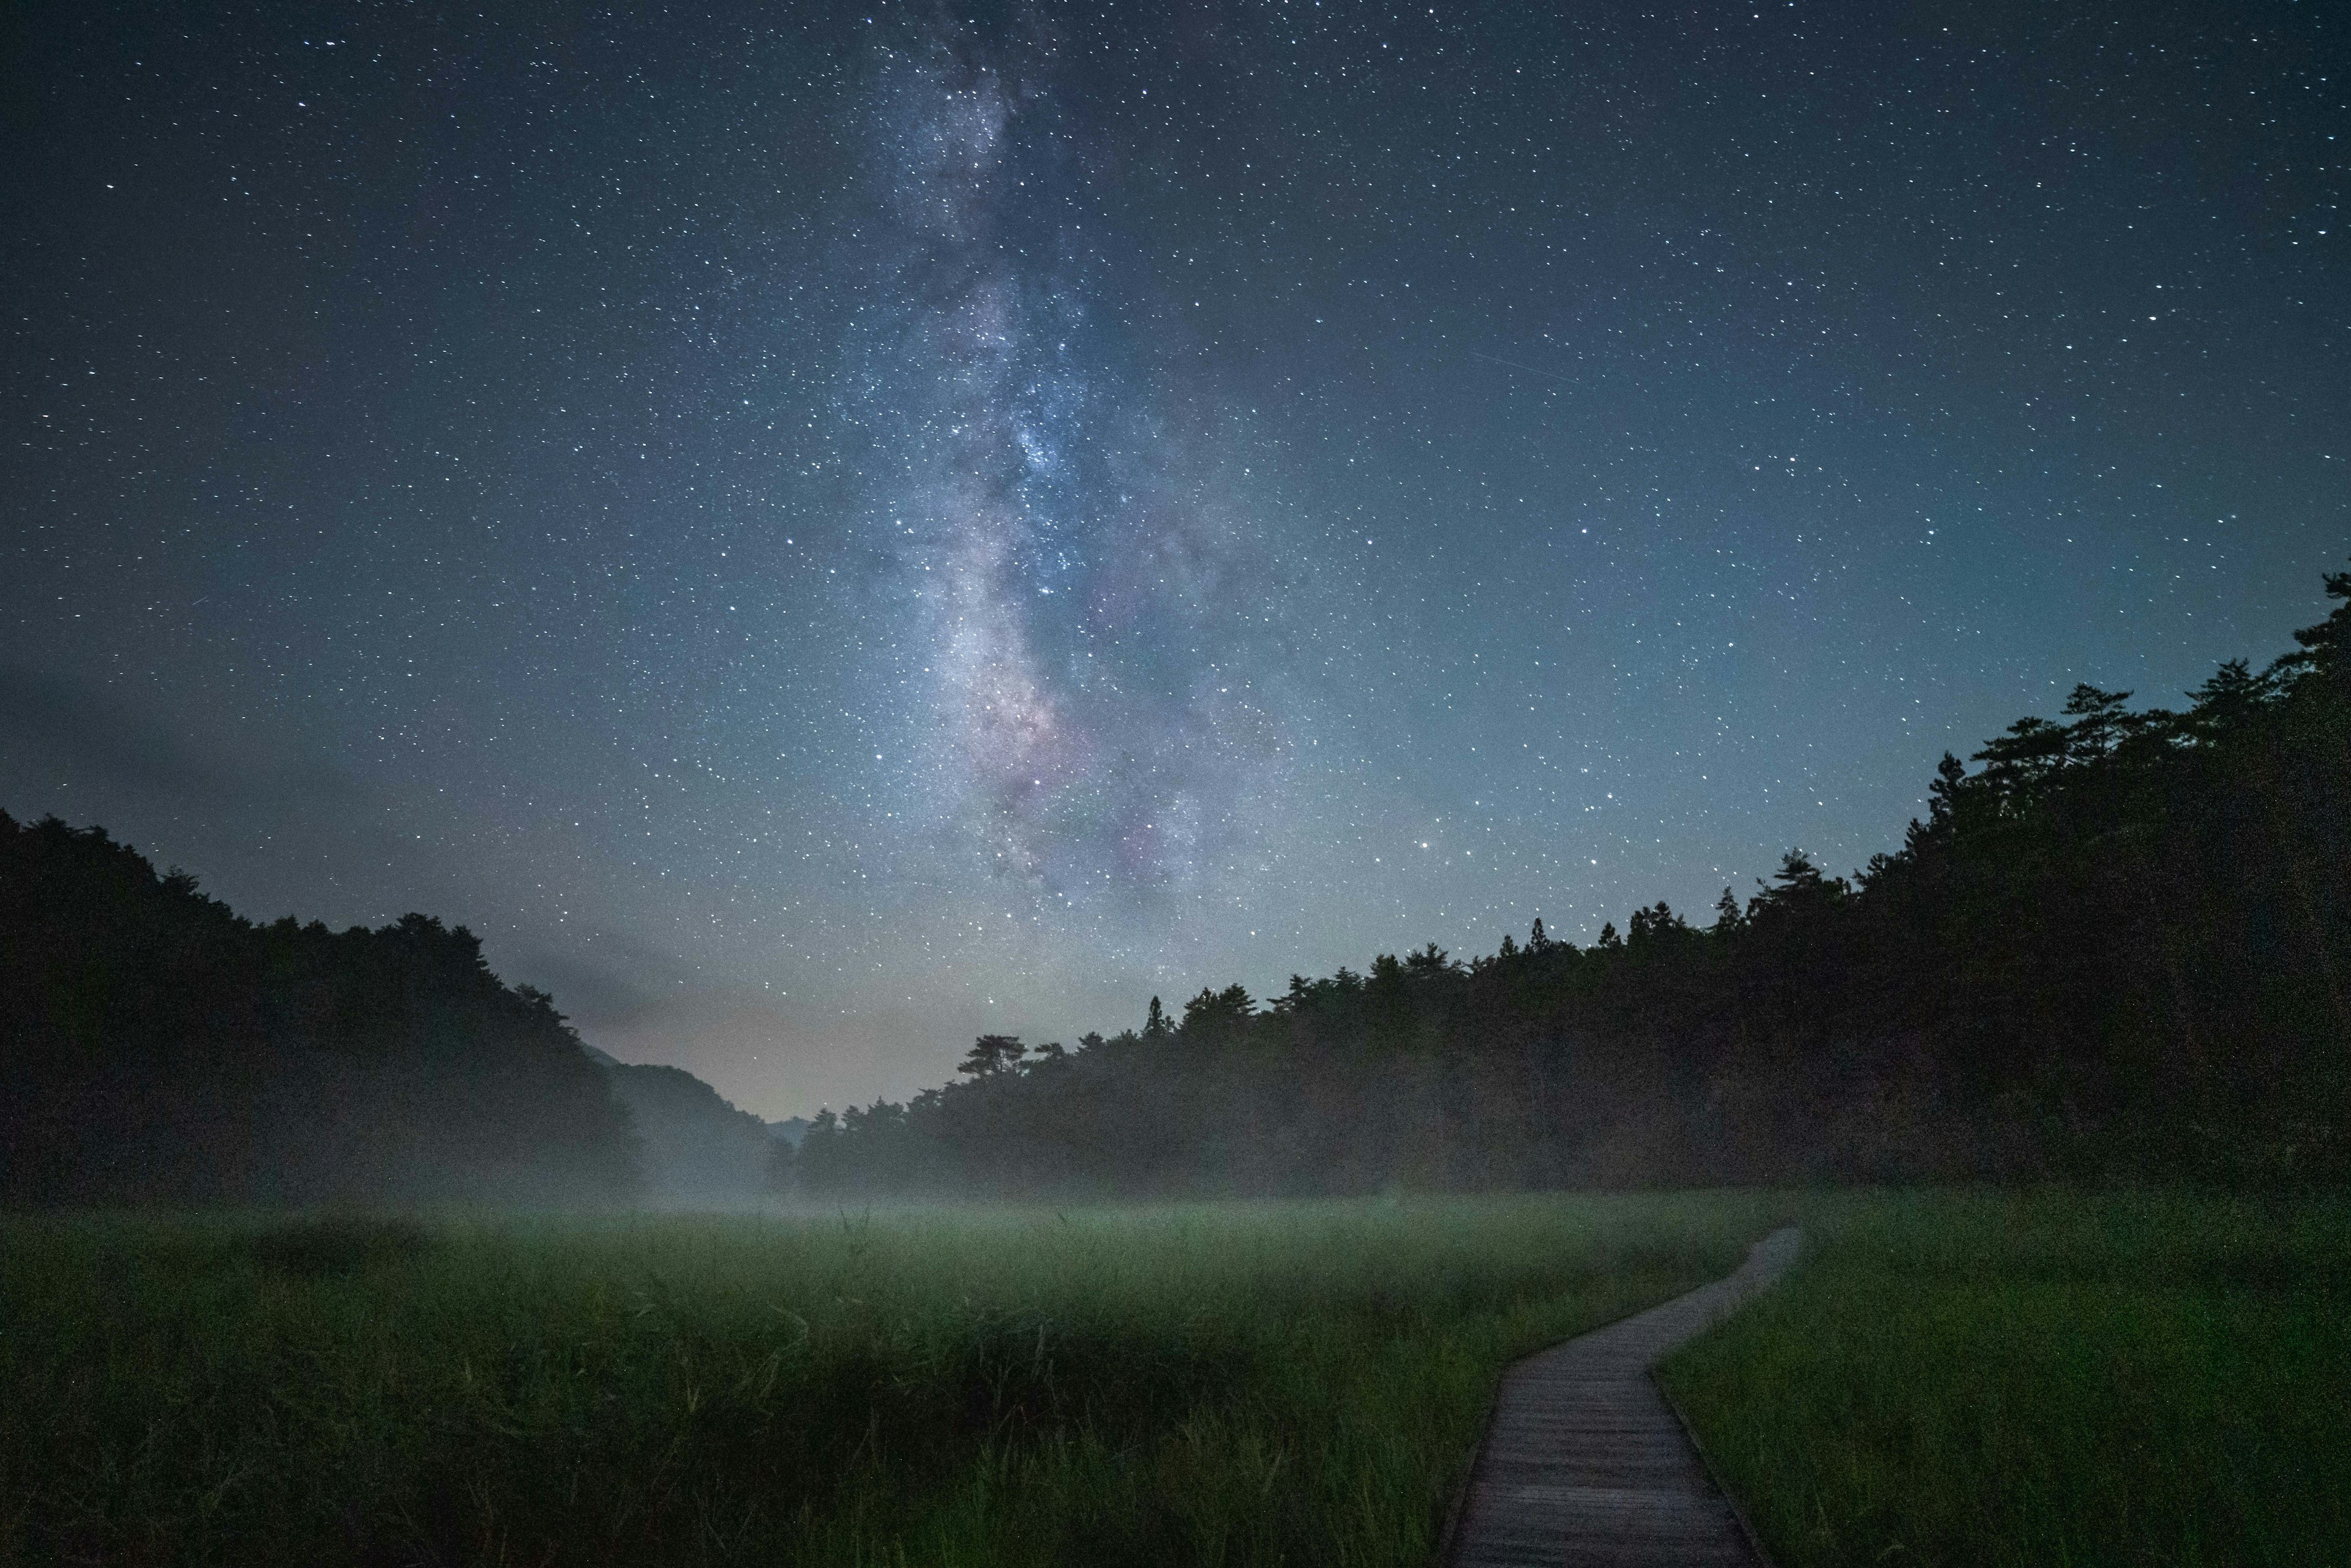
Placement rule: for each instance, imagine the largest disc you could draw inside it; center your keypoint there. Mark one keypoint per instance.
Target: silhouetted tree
(992, 1054)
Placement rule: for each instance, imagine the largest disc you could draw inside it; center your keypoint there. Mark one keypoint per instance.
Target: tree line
(2116, 948)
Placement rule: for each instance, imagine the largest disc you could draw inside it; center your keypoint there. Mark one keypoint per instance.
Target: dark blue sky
(822, 530)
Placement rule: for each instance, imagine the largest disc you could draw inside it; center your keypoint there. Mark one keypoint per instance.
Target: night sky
(822, 530)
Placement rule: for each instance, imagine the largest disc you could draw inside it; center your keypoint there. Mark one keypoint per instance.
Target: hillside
(155, 1047)
(2117, 949)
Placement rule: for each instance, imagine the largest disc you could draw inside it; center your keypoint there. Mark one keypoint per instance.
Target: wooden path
(1585, 1463)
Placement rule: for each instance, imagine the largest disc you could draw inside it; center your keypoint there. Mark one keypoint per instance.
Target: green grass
(1240, 1383)
(1945, 1379)
(2042, 1380)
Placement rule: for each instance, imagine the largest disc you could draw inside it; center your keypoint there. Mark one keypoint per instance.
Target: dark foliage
(156, 1047)
(2118, 950)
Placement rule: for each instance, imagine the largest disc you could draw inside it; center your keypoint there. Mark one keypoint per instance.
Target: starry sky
(819, 530)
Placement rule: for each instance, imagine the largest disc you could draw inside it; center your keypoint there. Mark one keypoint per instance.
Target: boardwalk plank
(1585, 1464)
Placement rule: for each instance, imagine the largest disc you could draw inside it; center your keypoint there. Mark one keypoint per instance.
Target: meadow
(1228, 1383)
(1947, 1378)
(2037, 1379)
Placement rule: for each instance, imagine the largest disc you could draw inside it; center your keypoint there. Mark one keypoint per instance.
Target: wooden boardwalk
(1585, 1463)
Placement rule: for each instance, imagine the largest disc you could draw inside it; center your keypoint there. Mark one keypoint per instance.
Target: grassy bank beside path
(2036, 1380)
(1228, 1383)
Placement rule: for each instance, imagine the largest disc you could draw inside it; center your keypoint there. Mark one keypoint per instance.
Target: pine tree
(1943, 793)
(1727, 918)
(2099, 722)
(992, 1054)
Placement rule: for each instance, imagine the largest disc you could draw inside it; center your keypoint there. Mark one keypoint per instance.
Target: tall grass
(1243, 1384)
(2042, 1380)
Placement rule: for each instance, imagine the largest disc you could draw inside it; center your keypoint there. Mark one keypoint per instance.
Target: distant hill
(695, 1148)
(155, 1047)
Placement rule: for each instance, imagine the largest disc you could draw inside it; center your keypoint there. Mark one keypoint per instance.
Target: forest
(2116, 950)
(157, 1048)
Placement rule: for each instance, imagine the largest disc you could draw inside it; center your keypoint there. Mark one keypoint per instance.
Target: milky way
(1078, 576)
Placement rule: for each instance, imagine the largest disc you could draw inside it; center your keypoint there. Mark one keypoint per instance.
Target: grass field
(1238, 1383)
(1946, 1379)
(2042, 1380)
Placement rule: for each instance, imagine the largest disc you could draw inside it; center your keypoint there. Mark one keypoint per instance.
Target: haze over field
(823, 533)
